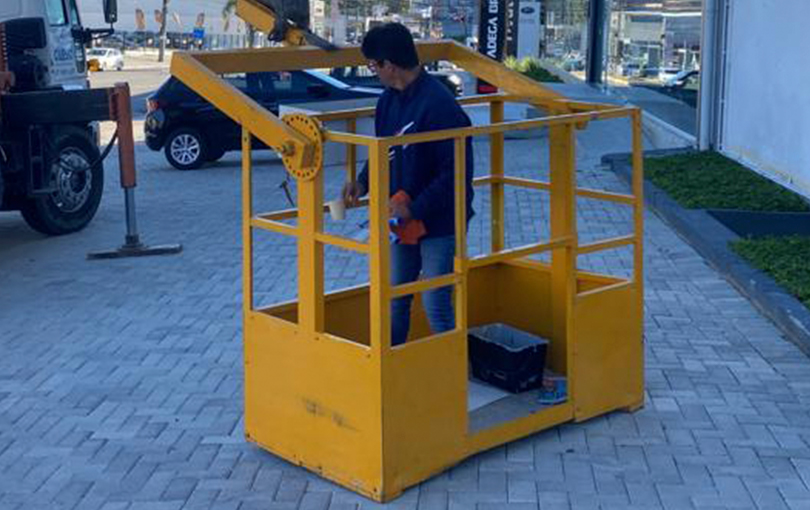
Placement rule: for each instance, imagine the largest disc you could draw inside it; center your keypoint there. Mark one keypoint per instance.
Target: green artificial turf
(784, 258)
(708, 180)
(531, 68)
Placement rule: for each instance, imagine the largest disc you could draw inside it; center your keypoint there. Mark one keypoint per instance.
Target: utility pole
(164, 14)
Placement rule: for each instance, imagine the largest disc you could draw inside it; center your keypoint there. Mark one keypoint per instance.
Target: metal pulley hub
(312, 163)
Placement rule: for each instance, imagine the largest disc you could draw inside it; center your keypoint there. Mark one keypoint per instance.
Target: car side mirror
(25, 34)
(111, 11)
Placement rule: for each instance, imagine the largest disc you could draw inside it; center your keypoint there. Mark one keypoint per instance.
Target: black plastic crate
(507, 357)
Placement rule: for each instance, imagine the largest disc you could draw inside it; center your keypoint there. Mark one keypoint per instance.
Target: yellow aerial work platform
(323, 386)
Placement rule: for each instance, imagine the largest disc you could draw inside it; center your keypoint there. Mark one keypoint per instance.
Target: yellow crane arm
(262, 15)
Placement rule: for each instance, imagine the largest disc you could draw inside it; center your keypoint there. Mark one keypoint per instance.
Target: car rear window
(175, 91)
(281, 85)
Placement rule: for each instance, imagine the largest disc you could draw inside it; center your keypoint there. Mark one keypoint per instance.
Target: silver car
(108, 58)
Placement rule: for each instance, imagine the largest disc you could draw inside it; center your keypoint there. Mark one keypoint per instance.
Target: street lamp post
(596, 42)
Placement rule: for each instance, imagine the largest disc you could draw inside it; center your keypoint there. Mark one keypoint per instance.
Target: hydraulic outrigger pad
(121, 112)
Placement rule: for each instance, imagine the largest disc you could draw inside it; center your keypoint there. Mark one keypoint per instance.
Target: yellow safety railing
(563, 237)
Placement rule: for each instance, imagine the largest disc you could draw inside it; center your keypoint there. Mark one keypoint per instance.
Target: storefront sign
(491, 35)
(529, 29)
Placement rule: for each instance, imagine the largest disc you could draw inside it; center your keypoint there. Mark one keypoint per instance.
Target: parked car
(119, 41)
(667, 73)
(649, 72)
(191, 131)
(630, 69)
(362, 76)
(574, 64)
(683, 79)
(105, 59)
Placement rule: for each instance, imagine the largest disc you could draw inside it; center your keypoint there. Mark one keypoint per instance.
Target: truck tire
(186, 149)
(78, 184)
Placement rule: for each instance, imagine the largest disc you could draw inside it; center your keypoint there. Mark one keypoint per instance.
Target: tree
(230, 8)
(396, 6)
(164, 14)
(362, 8)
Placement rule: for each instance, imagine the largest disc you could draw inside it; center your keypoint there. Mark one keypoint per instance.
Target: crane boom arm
(283, 20)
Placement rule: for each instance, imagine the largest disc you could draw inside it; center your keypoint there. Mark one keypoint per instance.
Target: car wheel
(120, 66)
(76, 177)
(186, 149)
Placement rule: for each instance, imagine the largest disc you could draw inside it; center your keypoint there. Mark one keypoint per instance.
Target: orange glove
(408, 231)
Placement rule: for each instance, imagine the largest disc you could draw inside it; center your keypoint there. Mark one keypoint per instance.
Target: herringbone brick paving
(120, 381)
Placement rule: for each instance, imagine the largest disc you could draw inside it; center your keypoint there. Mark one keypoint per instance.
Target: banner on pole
(140, 20)
(491, 36)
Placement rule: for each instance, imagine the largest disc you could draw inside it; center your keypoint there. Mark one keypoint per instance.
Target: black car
(191, 131)
(363, 77)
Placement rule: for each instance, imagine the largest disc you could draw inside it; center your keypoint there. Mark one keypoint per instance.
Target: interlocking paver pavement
(120, 381)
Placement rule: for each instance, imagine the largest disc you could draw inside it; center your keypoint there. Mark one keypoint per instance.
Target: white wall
(766, 116)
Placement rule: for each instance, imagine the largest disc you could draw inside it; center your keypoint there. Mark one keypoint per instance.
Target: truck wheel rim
(185, 149)
(73, 180)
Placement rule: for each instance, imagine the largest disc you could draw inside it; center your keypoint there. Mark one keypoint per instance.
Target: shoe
(553, 391)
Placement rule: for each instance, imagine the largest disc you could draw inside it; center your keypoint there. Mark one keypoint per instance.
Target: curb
(663, 134)
(710, 239)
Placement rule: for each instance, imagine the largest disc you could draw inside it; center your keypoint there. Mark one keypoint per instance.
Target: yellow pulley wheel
(312, 129)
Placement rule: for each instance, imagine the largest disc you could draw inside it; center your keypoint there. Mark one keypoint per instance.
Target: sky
(186, 10)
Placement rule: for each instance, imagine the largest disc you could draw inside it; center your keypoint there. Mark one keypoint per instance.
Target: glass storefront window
(566, 34)
(653, 57)
(651, 53)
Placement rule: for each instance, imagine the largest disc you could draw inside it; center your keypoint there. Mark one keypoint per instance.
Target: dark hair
(392, 42)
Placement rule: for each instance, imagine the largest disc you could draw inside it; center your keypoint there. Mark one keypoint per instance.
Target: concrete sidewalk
(147, 59)
(120, 381)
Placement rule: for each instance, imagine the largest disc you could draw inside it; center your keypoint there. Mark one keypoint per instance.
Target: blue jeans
(432, 257)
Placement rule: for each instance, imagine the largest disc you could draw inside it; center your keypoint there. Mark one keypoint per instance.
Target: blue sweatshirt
(426, 170)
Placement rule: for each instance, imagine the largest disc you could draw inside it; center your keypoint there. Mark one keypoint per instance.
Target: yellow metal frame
(324, 388)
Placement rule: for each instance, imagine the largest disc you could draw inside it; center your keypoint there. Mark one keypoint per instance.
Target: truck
(51, 167)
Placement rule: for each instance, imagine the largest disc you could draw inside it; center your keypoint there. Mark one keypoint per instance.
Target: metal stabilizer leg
(121, 112)
(133, 247)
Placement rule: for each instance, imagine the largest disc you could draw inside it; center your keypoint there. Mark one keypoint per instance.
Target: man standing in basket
(422, 175)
